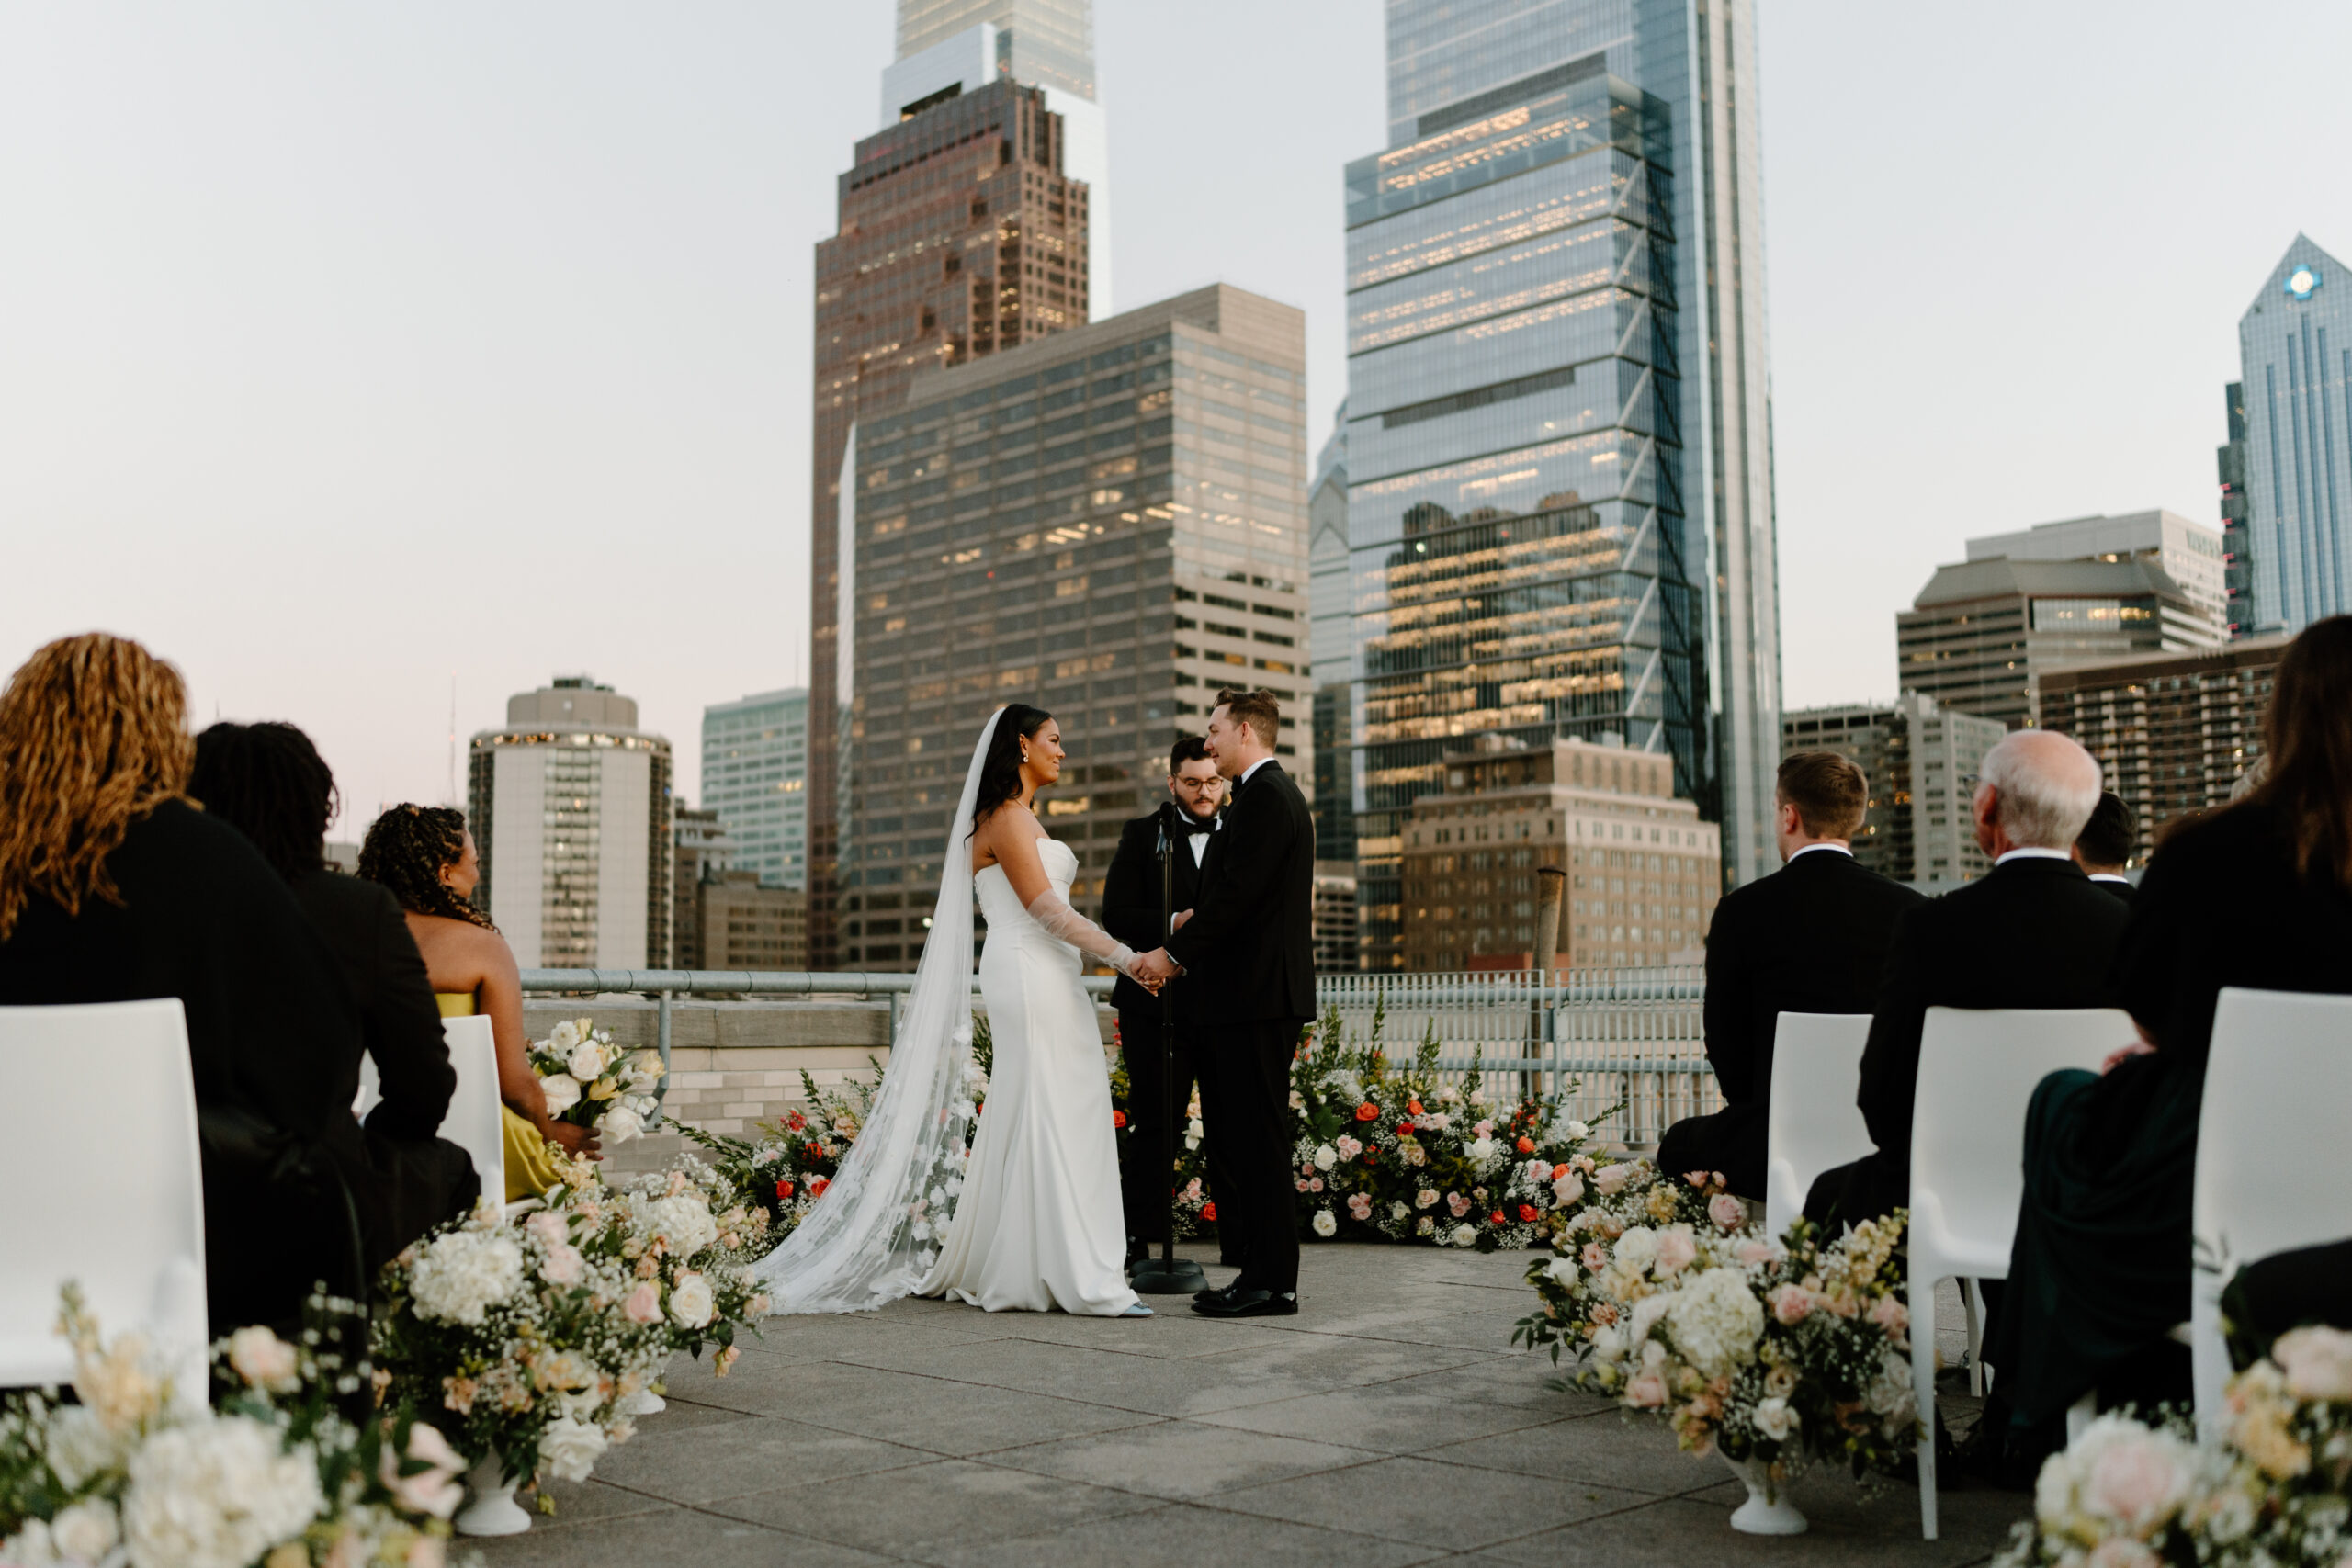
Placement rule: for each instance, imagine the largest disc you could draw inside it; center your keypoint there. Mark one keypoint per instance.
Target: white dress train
(1039, 1223)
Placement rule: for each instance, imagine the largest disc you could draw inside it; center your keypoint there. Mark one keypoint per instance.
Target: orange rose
(1413, 1106)
(1367, 1111)
(1527, 1214)
(782, 1190)
(1525, 1145)
(1208, 1212)
(1118, 1119)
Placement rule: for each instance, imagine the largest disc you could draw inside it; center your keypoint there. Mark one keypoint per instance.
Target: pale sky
(345, 351)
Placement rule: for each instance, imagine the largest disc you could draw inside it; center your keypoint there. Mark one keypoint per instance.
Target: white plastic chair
(107, 1187)
(2279, 1077)
(1977, 1070)
(472, 1121)
(1814, 1124)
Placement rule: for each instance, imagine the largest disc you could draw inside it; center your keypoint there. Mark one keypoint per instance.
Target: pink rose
(1300, 1182)
(1595, 1258)
(1890, 1315)
(563, 1264)
(1537, 1170)
(2138, 1482)
(1458, 1203)
(1360, 1206)
(1752, 1253)
(1348, 1148)
(1612, 1179)
(547, 1226)
(2120, 1551)
(1791, 1303)
(1316, 1185)
(1568, 1186)
(1728, 1213)
(1675, 1251)
(643, 1305)
(1646, 1390)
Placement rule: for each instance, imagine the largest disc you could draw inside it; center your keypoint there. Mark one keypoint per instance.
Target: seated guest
(268, 782)
(2032, 932)
(2284, 1290)
(2104, 847)
(1810, 938)
(115, 887)
(427, 859)
(2258, 894)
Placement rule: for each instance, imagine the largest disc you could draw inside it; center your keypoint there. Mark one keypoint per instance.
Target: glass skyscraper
(2295, 345)
(1558, 464)
(755, 775)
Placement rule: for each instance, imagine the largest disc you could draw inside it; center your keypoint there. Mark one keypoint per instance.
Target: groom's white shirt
(1250, 768)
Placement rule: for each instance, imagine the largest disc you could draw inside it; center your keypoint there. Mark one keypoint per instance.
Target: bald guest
(2033, 932)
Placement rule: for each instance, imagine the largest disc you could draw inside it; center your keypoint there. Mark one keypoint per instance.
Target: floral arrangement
(1779, 1352)
(2269, 1493)
(592, 1082)
(528, 1342)
(274, 1474)
(689, 1234)
(796, 1157)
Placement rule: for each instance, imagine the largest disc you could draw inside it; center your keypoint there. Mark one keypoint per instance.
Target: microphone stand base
(1168, 1277)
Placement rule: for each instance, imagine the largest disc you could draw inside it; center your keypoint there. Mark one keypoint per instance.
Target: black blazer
(398, 1019)
(1811, 937)
(1249, 946)
(2033, 933)
(1131, 905)
(2122, 890)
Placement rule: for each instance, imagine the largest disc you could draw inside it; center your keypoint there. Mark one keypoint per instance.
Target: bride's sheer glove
(1059, 919)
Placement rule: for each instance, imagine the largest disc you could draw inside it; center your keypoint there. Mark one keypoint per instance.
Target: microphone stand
(1168, 1275)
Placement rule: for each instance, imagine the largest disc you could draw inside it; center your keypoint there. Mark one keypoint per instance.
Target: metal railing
(1590, 1036)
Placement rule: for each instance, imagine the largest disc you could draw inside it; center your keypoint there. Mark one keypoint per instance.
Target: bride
(1031, 1220)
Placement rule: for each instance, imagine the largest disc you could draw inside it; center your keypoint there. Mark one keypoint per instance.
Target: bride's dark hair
(1001, 769)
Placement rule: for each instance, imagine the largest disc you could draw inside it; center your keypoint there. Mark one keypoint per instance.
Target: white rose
(1326, 1156)
(1482, 1150)
(85, 1533)
(1637, 1248)
(620, 1124)
(1563, 1270)
(586, 1061)
(566, 1035)
(1465, 1236)
(263, 1359)
(1325, 1224)
(216, 1493)
(1579, 1130)
(1609, 1343)
(690, 1302)
(1397, 1210)
(562, 1091)
(1775, 1419)
(1568, 1186)
(570, 1447)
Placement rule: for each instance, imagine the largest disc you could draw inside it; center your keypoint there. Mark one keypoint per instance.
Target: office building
(697, 851)
(2295, 361)
(2237, 533)
(1330, 634)
(744, 923)
(570, 812)
(2189, 553)
(960, 233)
(1559, 466)
(1106, 524)
(755, 775)
(1335, 916)
(947, 48)
(1980, 631)
(2173, 732)
(1644, 870)
(1920, 760)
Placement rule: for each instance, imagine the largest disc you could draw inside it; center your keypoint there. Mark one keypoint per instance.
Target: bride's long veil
(877, 1231)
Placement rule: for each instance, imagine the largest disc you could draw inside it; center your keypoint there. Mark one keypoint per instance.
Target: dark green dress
(2100, 1268)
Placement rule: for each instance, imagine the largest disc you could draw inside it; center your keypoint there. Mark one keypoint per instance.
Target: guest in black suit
(269, 782)
(1810, 938)
(2104, 847)
(1248, 948)
(2256, 894)
(114, 888)
(2035, 933)
(1131, 911)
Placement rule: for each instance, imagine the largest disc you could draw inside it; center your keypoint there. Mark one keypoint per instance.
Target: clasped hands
(1154, 969)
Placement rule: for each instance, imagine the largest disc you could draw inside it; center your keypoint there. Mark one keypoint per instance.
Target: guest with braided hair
(269, 782)
(114, 886)
(425, 856)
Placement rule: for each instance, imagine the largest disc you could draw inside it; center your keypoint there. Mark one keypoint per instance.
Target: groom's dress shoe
(1216, 1293)
(1250, 1303)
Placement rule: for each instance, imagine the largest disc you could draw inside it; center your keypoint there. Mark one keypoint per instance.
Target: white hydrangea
(1716, 1320)
(217, 1493)
(460, 1276)
(1637, 1248)
(685, 1220)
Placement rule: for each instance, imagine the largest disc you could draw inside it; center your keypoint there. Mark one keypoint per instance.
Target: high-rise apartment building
(1330, 635)
(1559, 466)
(1106, 524)
(755, 775)
(697, 851)
(960, 233)
(2173, 732)
(2238, 536)
(2295, 353)
(1644, 871)
(2189, 553)
(570, 812)
(1980, 632)
(1920, 761)
(1335, 916)
(743, 923)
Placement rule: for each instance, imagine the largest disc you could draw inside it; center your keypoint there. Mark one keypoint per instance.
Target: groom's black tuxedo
(1249, 950)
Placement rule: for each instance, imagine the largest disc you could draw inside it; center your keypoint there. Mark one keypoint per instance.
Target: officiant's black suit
(1131, 911)
(1811, 937)
(2033, 933)
(1249, 953)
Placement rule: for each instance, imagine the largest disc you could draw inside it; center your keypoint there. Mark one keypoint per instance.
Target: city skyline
(292, 278)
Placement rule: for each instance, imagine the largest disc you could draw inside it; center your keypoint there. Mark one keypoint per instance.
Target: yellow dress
(529, 1171)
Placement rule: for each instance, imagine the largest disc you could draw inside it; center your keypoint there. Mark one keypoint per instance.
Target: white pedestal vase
(1762, 1514)
(644, 1402)
(490, 1508)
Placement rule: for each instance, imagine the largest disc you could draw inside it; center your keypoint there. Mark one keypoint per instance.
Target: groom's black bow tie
(1196, 826)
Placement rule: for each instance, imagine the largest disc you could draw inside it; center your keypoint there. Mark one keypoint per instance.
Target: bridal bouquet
(526, 1341)
(2271, 1493)
(592, 1082)
(273, 1473)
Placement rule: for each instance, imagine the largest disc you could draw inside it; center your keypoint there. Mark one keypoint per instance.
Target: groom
(1249, 949)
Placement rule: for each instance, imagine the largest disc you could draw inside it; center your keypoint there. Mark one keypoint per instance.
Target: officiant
(1131, 911)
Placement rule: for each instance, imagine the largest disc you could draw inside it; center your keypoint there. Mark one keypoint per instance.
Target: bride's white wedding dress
(1039, 1223)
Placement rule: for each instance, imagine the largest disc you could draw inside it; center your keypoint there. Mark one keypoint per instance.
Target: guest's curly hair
(1001, 769)
(93, 738)
(406, 850)
(269, 782)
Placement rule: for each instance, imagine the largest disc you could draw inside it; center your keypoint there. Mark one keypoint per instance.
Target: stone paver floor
(1389, 1423)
